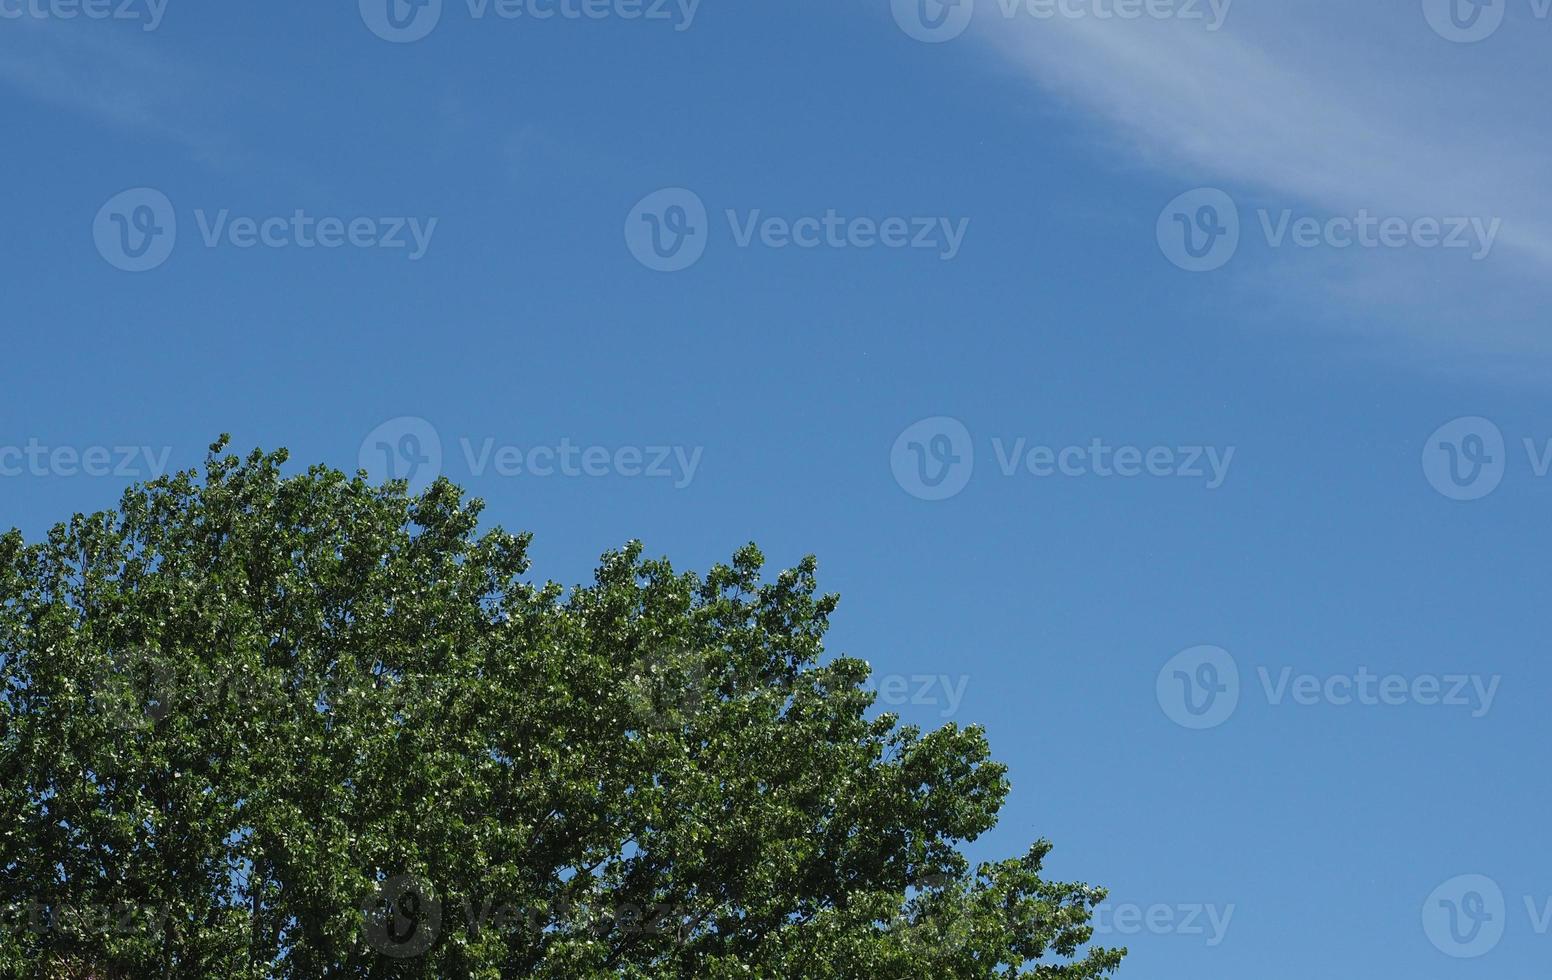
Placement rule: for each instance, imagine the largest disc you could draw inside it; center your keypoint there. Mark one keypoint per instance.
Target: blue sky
(953, 307)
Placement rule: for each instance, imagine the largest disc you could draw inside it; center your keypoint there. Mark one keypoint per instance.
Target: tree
(254, 725)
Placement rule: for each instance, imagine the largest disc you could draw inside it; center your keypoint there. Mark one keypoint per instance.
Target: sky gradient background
(1335, 542)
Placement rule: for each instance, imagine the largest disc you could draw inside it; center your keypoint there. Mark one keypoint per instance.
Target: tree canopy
(265, 725)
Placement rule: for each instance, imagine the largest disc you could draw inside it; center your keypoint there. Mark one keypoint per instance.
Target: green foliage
(264, 726)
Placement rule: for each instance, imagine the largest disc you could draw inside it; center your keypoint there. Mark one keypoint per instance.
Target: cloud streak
(1321, 109)
(116, 77)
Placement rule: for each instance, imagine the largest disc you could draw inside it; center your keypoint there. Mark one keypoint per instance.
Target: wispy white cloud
(120, 77)
(1313, 105)
(1323, 123)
